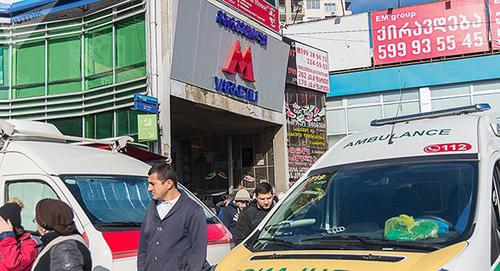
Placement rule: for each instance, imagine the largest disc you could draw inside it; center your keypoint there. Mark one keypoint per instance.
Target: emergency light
(433, 114)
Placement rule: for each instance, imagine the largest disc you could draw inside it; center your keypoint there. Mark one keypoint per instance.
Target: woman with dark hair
(17, 248)
(64, 248)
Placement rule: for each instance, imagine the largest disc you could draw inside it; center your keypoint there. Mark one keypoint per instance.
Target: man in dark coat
(250, 217)
(174, 231)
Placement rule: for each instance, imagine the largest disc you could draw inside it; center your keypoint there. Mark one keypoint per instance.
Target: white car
(106, 189)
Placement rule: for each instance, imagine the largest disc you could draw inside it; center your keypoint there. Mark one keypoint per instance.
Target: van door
(30, 190)
(495, 214)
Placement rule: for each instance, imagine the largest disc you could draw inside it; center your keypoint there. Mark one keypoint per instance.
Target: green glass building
(76, 68)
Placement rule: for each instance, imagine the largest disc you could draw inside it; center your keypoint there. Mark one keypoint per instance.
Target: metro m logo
(240, 62)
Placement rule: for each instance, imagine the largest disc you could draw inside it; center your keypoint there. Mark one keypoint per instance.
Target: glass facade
(350, 114)
(79, 74)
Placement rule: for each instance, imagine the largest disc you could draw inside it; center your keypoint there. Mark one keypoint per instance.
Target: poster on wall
(429, 30)
(307, 66)
(495, 23)
(306, 129)
(259, 10)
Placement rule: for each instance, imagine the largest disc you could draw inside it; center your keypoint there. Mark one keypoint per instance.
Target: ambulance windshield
(116, 201)
(402, 204)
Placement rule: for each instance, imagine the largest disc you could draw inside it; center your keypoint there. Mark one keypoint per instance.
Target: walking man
(174, 231)
(250, 217)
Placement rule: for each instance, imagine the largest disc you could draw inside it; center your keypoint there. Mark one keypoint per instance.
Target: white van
(106, 189)
(417, 192)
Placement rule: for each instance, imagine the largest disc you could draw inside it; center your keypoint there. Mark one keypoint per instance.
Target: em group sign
(430, 30)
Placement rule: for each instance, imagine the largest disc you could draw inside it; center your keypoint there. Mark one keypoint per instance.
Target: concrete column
(288, 11)
(166, 14)
(280, 160)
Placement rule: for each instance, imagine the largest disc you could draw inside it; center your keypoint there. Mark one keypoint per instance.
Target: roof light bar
(433, 114)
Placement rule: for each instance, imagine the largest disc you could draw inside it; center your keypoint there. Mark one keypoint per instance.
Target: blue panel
(150, 108)
(413, 76)
(145, 99)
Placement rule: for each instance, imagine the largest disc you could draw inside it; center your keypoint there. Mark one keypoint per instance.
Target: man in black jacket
(174, 231)
(250, 217)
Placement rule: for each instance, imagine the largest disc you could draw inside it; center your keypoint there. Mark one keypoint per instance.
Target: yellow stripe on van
(240, 260)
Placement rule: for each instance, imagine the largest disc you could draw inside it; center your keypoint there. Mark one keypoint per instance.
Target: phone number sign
(495, 23)
(312, 68)
(428, 31)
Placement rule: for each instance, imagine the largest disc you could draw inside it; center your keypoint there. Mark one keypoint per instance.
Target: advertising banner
(307, 66)
(306, 126)
(147, 126)
(429, 30)
(259, 10)
(495, 23)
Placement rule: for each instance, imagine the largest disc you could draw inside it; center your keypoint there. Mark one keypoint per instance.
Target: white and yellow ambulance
(418, 192)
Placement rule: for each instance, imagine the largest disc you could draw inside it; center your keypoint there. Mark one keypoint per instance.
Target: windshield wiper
(119, 224)
(376, 242)
(276, 241)
(340, 238)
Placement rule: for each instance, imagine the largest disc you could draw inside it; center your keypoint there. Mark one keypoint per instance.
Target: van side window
(495, 216)
(29, 192)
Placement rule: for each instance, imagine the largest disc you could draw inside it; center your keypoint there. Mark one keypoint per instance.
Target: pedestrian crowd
(61, 247)
(173, 235)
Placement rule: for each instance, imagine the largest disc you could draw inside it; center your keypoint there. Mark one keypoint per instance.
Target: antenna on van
(400, 105)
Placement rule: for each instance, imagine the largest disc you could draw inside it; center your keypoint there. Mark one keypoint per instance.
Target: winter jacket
(67, 255)
(248, 220)
(178, 242)
(17, 254)
(229, 216)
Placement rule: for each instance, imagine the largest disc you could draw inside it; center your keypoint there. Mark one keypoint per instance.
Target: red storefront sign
(259, 10)
(495, 23)
(430, 30)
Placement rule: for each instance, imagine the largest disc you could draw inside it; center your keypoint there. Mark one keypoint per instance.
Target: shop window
(130, 49)
(487, 86)
(358, 100)
(405, 95)
(104, 124)
(99, 57)
(360, 118)
(450, 102)
(336, 121)
(64, 65)
(247, 157)
(29, 70)
(390, 110)
(69, 126)
(443, 91)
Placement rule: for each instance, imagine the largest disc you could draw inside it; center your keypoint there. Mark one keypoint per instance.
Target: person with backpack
(17, 247)
(64, 248)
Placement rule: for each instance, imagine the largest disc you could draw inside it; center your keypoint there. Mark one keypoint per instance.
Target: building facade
(377, 73)
(78, 64)
(293, 11)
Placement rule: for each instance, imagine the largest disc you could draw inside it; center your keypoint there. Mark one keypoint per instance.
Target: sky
(359, 6)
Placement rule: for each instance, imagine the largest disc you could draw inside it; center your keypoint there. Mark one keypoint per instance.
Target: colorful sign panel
(431, 30)
(495, 23)
(147, 127)
(259, 10)
(306, 128)
(307, 67)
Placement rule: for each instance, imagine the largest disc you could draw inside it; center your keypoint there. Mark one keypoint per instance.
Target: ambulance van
(418, 192)
(106, 189)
